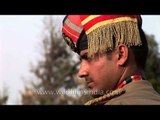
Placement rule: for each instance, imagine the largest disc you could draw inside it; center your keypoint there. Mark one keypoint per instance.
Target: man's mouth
(90, 84)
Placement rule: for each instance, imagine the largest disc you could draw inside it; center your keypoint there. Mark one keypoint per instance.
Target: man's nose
(83, 71)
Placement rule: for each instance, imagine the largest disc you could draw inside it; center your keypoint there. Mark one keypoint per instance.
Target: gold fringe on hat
(101, 38)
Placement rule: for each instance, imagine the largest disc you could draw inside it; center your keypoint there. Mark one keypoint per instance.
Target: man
(113, 51)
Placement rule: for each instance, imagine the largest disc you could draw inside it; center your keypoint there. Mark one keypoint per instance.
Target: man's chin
(96, 93)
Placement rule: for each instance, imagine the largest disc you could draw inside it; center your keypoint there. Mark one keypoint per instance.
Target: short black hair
(141, 52)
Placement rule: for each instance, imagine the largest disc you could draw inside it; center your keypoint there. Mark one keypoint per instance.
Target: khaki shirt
(137, 93)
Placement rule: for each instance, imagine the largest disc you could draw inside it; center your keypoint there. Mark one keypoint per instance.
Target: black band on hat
(82, 43)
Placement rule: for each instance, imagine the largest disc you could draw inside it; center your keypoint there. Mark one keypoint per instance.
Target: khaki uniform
(136, 93)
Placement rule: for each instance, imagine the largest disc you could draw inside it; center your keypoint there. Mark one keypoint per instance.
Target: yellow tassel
(101, 39)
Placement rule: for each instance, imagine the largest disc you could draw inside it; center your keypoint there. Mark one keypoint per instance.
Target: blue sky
(20, 37)
(151, 25)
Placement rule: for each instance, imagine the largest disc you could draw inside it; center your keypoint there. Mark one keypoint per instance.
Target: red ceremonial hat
(100, 33)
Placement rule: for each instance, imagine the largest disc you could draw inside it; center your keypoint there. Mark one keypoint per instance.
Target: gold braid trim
(101, 38)
(106, 97)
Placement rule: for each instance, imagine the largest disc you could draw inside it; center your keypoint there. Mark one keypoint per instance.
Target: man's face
(99, 73)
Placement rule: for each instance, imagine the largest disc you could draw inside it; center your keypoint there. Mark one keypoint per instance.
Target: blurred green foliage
(152, 70)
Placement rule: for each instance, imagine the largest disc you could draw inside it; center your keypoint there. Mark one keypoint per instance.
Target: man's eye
(85, 57)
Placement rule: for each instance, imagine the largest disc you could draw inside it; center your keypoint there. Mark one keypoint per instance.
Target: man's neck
(129, 71)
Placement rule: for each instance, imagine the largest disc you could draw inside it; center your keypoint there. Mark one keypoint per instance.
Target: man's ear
(122, 54)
